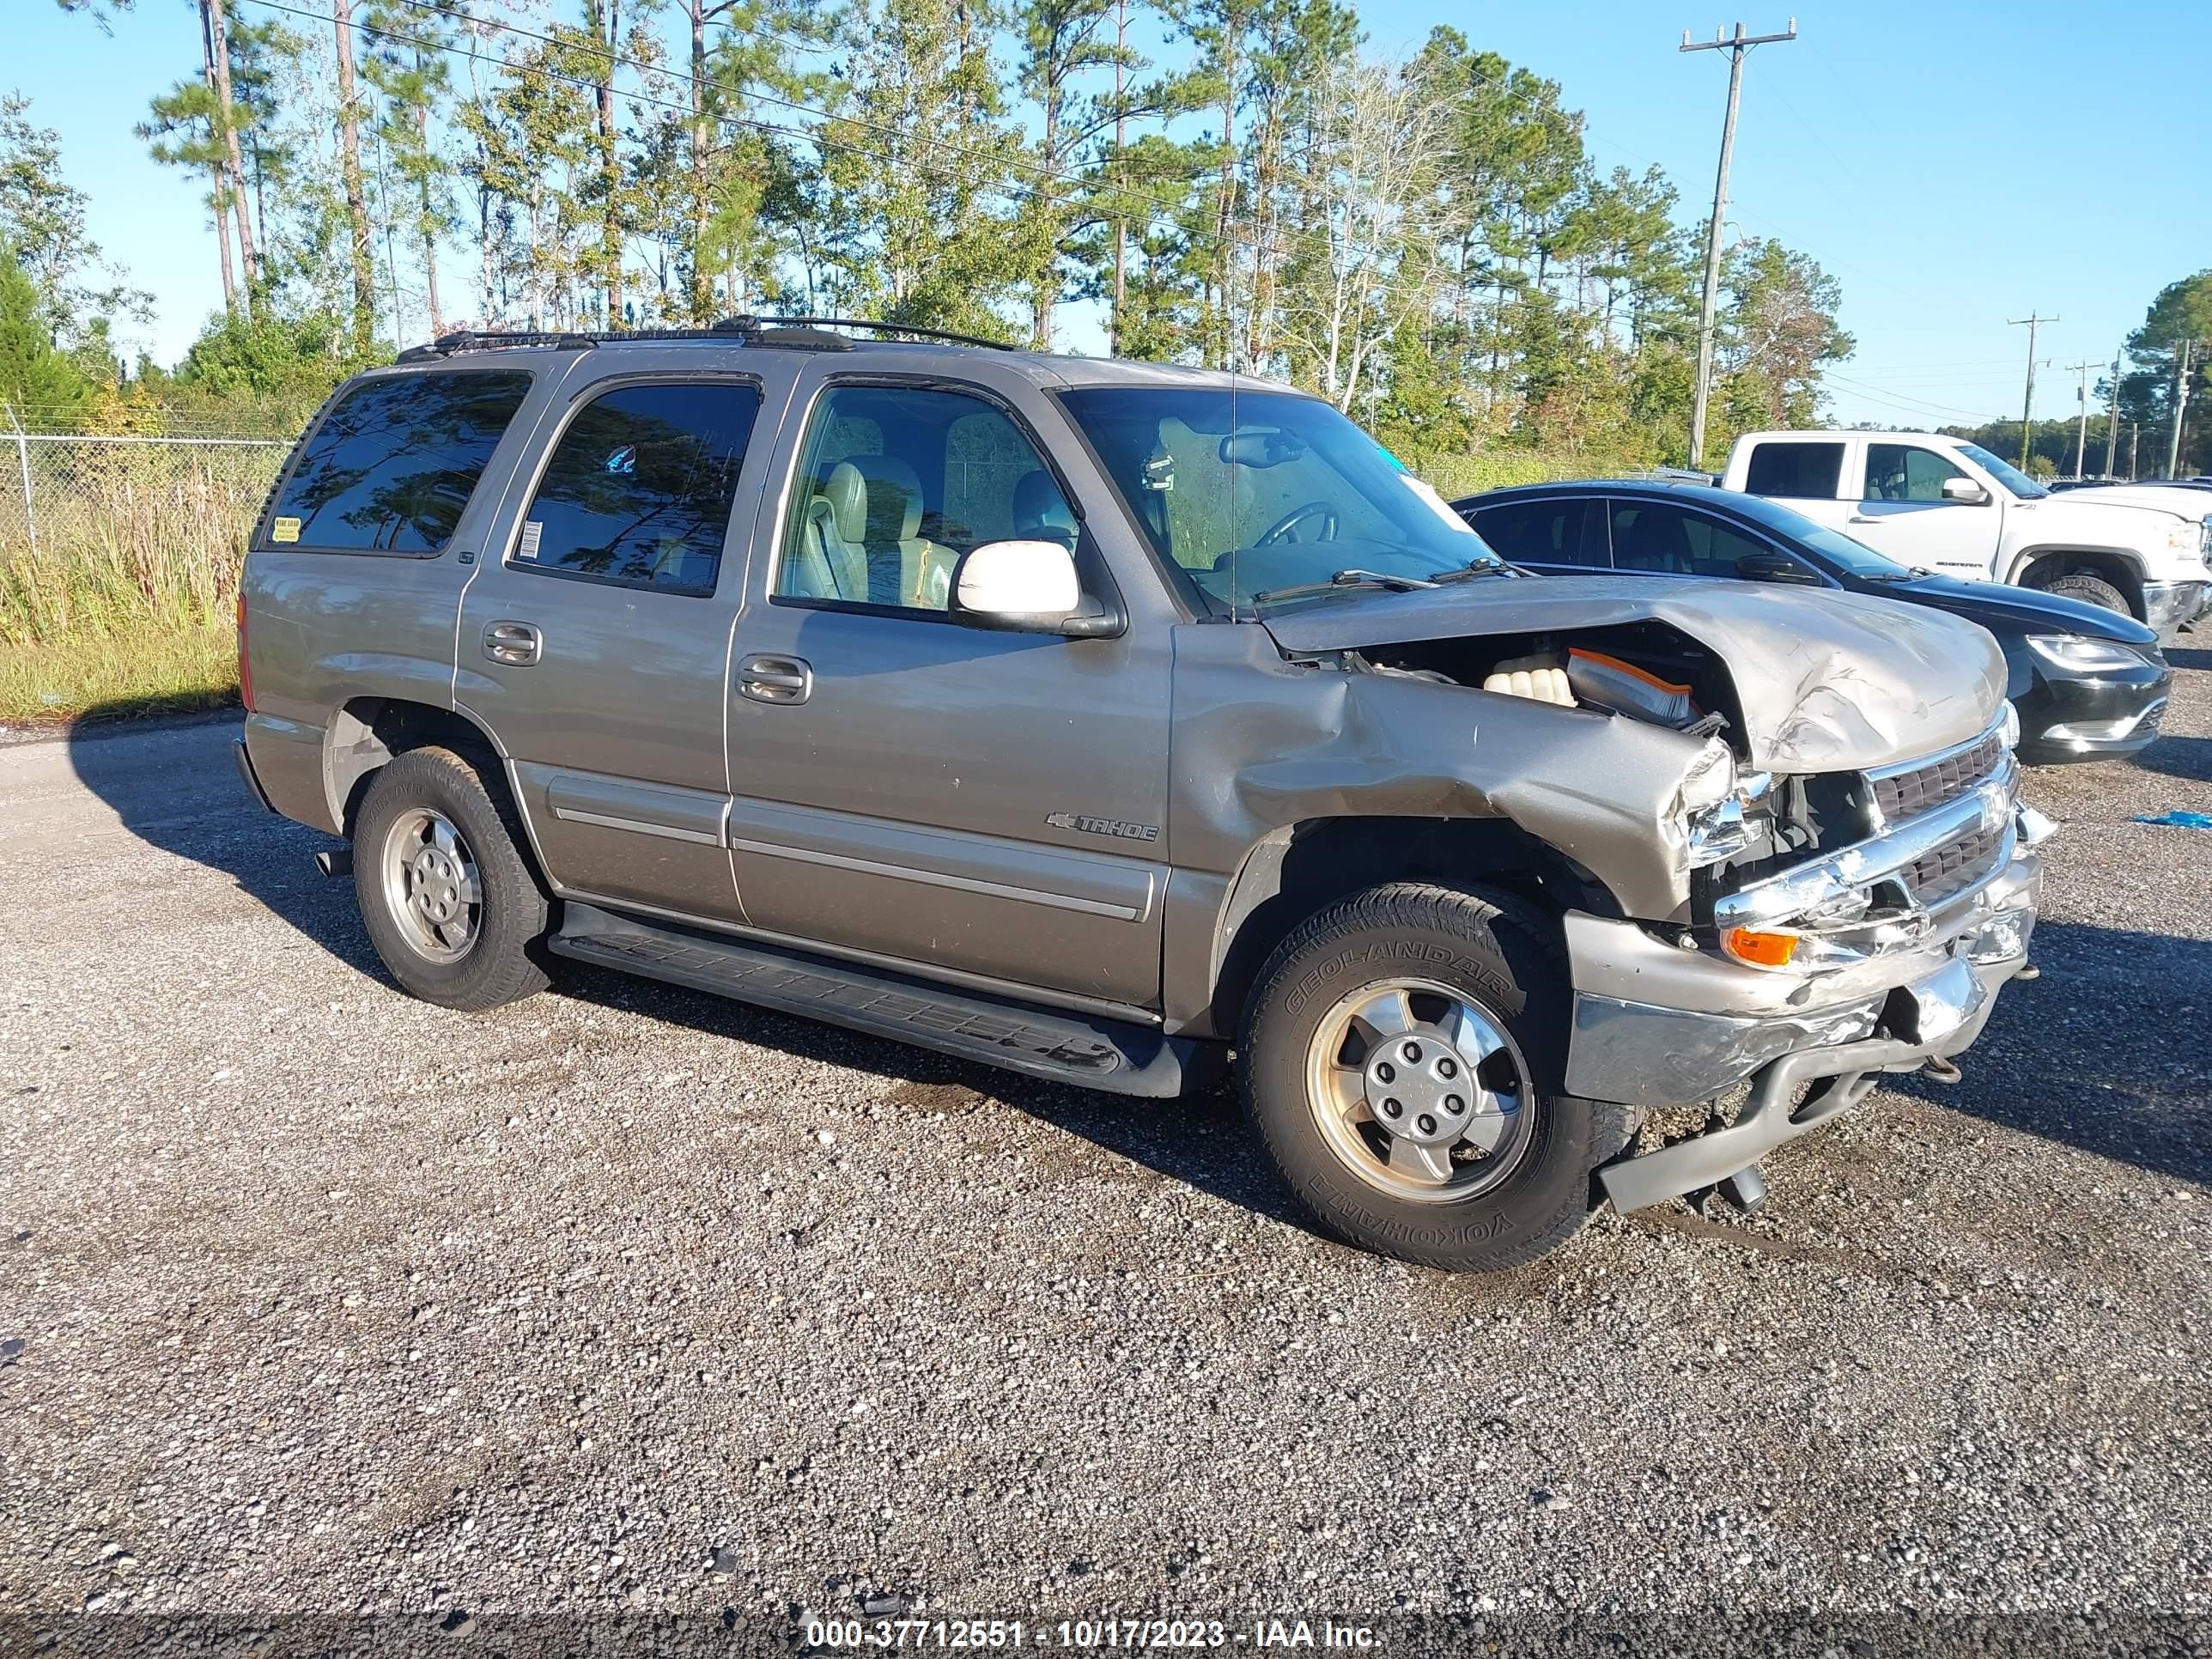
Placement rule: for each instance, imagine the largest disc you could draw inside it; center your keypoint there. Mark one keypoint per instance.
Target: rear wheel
(448, 902)
(2091, 590)
(1402, 1061)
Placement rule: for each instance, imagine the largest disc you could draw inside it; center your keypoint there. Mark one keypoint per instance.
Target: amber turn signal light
(1760, 950)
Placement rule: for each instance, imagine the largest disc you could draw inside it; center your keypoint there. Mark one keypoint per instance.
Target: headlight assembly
(2185, 539)
(2078, 654)
(1732, 825)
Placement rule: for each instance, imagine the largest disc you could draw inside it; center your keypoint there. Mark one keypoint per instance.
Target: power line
(1899, 399)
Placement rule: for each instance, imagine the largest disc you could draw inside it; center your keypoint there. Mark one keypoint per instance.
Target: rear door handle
(517, 644)
(1862, 518)
(775, 679)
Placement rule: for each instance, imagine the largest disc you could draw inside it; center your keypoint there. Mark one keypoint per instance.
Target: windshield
(1818, 539)
(2005, 473)
(1252, 494)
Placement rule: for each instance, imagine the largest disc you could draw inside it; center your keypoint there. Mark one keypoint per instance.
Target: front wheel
(2091, 590)
(444, 892)
(1403, 1059)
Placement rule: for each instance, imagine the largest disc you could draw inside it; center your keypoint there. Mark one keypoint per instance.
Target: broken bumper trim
(1655, 1026)
(1950, 1009)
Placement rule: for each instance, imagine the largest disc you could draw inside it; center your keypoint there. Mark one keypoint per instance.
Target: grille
(1938, 876)
(1907, 795)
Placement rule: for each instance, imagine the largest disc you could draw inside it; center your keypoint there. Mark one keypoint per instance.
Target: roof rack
(801, 333)
(912, 329)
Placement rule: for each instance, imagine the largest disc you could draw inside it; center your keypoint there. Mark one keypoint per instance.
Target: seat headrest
(1040, 512)
(877, 498)
(847, 493)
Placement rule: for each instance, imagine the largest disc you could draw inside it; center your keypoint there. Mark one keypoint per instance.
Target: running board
(1087, 1050)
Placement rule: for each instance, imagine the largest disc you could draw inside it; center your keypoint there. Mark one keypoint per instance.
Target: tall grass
(127, 595)
(126, 538)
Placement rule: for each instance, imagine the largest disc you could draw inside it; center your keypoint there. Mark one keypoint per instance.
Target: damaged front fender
(1320, 743)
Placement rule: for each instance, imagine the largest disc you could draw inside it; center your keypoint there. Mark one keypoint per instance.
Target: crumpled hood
(1828, 682)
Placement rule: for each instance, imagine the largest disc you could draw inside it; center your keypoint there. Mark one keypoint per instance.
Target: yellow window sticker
(285, 530)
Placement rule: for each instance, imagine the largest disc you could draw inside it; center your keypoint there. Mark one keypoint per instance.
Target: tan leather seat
(876, 505)
(837, 522)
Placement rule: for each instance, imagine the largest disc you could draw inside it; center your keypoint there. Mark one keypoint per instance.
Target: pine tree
(39, 385)
(406, 63)
(356, 195)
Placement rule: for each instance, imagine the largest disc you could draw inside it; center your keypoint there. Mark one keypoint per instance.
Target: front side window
(639, 489)
(394, 463)
(1907, 472)
(1668, 540)
(1794, 471)
(1266, 496)
(895, 483)
(1542, 533)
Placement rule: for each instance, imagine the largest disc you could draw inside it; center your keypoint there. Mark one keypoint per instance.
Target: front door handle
(1862, 518)
(775, 679)
(517, 644)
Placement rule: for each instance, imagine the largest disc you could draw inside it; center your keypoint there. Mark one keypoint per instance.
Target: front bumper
(2168, 605)
(2097, 716)
(1694, 1025)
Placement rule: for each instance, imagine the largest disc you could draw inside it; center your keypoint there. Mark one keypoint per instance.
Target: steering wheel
(1281, 529)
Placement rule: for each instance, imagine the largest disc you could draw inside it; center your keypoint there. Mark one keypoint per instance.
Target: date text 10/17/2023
(1085, 1634)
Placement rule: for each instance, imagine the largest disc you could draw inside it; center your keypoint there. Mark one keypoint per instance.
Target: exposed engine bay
(1743, 824)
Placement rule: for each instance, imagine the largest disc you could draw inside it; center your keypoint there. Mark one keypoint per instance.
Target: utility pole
(1736, 47)
(2180, 409)
(2081, 396)
(2033, 321)
(2112, 432)
(2134, 431)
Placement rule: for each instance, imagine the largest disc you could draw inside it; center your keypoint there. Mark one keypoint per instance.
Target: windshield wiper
(1912, 574)
(1481, 567)
(1353, 578)
(1356, 577)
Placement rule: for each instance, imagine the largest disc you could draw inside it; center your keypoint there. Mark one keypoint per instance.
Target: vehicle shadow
(1200, 1139)
(2047, 1065)
(2052, 1061)
(2180, 757)
(172, 784)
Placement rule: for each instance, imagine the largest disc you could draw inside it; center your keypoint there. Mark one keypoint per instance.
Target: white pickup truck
(1950, 507)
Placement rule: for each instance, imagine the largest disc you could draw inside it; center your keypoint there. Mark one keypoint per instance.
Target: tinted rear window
(1794, 471)
(394, 463)
(640, 488)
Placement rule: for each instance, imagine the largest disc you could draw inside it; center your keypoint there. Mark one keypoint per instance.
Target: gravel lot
(315, 1299)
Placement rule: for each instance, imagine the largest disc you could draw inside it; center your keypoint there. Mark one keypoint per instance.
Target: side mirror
(1773, 568)
(1965, 492)
(1021, 587)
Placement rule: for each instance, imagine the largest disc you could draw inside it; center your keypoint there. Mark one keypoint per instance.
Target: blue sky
(1953, 163)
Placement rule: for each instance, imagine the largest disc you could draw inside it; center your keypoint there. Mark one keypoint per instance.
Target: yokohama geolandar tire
(1401, 1059)
(448, 902)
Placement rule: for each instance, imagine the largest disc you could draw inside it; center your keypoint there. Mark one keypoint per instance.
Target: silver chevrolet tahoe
(1118, 725)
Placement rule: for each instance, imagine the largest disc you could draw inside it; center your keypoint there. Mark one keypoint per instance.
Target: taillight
(245, 667)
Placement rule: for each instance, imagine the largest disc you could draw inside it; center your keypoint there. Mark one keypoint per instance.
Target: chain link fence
(98, 532)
